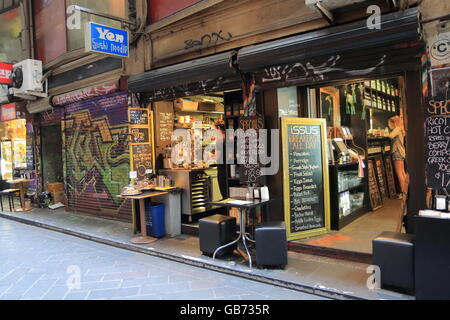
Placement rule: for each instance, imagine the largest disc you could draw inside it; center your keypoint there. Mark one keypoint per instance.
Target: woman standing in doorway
(399, 152)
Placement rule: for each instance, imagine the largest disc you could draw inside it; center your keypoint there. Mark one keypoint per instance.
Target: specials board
(437, 143)
(376, 200)
(30, 147)
(141, 128)
(390, 176)
(379, 168)
(142, 157)
(164, 125)
(250, 149)
(138, 116)
(305, 177)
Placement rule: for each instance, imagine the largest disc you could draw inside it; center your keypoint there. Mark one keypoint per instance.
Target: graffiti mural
(96, 158)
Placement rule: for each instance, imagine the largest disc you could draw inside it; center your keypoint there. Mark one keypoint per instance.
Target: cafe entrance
(366, 153)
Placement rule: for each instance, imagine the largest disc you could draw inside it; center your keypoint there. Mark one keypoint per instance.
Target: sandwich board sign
(106, 40)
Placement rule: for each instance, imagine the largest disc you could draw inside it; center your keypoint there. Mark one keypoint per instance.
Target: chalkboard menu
(249, 150)
(164, 124)
(142, 159)
(138, 116)
(437, 142)
(30, 147)
(376, 201)
(140, 135)
(305, 177)
(379, 168)
(390, 176)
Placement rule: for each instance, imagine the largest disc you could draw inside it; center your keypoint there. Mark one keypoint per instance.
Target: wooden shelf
(359, 186)
(199, 111)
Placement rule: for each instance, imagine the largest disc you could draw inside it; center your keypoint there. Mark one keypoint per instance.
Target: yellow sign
(305, 177)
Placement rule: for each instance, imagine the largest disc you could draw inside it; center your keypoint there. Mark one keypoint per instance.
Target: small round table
(22, 186)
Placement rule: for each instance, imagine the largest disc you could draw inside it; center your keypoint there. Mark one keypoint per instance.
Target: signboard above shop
(106, 40)
(5, 73)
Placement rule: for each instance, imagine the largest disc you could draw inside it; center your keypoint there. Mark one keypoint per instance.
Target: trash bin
(154, 216)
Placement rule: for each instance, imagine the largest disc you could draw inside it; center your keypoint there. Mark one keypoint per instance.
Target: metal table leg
(242, 236)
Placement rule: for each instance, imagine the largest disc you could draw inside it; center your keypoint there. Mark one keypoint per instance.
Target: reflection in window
(287, 102)
(112, 7)
(10, 36)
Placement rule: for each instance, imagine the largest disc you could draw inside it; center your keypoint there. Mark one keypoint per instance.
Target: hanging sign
(305, 177)
(5, 73)
(106, 40)
(8, 112)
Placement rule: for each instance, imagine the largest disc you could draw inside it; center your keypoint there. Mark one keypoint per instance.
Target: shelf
(348, 164)
(353, 188)
(199, 111)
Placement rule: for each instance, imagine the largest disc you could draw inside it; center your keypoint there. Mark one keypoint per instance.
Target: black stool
(393, 253)
(10, 193)
(271, 244)
(216, 231)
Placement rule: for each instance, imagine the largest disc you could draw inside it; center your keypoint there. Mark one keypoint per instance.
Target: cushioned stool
(393, 252)
(271, 244)
(216, 231)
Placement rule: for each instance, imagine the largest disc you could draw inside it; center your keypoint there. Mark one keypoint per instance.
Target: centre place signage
(106, 40)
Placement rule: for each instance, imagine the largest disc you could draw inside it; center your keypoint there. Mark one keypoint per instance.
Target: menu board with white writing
(437, 143)
(305, 169)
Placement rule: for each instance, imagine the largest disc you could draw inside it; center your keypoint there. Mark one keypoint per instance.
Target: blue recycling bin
(154, 216)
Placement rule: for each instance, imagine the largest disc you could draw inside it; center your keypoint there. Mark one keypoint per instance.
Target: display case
(348, 194)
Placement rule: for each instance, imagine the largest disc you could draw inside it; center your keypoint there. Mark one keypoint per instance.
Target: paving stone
(40, 272)
(113, 293)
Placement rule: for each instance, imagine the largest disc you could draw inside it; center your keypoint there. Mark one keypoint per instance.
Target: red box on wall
(8, 112)
(5, 73)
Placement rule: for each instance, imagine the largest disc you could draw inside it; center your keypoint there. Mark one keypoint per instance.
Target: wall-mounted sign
(8, 112)
(438, 41)
(305, 177)
(138, 116)
(5, 73)
(106, 40)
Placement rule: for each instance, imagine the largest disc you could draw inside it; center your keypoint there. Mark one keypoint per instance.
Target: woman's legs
(399, 166)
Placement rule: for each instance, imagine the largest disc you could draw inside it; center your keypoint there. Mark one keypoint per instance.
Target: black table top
(250, 203)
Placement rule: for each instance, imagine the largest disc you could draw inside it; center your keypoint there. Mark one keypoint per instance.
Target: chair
(10, 193)
(393, 252)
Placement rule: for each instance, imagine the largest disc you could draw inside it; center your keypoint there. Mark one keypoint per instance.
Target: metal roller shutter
(96, 157)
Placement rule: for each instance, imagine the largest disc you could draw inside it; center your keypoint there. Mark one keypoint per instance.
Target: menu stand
(143, 238)
(21, 184)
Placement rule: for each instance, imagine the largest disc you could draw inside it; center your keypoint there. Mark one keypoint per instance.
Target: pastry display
(130, 190)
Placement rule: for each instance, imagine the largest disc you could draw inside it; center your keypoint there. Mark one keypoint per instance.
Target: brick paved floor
(38, 264)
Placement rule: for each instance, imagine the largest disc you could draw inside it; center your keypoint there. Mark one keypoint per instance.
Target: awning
(38, 106)
(337, 52)
(187, 78)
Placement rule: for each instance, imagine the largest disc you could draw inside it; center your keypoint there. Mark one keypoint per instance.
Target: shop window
(112, 7)
(10, 36)
(50, 34)
(12, 147)
(287, 102)
(160, 9)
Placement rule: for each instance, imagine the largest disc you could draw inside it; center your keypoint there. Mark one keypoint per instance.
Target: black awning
(353, 39)
(185, 73)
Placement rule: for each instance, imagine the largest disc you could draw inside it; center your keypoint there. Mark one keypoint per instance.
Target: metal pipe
(444, 17)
